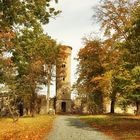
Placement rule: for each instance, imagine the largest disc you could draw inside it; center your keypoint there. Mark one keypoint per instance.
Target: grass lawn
(120, 127)
(26, 128)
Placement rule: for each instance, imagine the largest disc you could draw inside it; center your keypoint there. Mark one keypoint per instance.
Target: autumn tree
(35, 58)
(7, 70)
(116, 21)
(24, 20)
(115, 17)
(90, 66)
(131, 56)
(48, 49)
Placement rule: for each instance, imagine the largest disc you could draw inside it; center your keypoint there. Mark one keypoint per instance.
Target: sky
(74, 23)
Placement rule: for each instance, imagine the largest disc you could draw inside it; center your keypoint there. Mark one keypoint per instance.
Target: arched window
(63, 65)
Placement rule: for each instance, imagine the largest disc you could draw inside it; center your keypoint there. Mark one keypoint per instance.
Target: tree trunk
(138, 108)
(112, 109)
(48, 84)
(48, 96)
(32, 106)
(113, 101)
(33, 96)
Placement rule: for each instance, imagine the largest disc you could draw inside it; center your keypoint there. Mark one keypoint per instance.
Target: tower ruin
(63, 81)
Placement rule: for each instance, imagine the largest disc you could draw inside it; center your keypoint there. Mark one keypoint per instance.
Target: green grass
(120, 127)
(27, 128)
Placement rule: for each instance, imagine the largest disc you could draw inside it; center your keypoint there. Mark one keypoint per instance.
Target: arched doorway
(63, 106)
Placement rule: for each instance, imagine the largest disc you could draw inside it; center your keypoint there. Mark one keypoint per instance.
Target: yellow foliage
(27, 128)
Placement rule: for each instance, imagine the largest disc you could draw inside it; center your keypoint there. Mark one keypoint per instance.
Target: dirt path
(70, 128)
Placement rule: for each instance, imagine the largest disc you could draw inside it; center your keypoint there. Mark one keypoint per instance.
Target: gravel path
(70, 128)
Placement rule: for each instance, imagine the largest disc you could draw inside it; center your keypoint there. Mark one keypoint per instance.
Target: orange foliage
(7, 35)
(9, 62)
(37, 65)
(5, 40)
(26, 128)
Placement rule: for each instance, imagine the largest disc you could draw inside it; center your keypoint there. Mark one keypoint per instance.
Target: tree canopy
(24, 48)
(111, 66)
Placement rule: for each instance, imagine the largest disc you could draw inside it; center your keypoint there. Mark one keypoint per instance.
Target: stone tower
(63, 81)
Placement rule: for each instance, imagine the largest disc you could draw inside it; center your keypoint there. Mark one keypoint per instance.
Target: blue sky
(72, 25)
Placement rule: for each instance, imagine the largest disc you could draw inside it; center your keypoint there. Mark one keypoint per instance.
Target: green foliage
(124, 33)
(131, 58)
(111, 67)
(28, 13)
(22, 36)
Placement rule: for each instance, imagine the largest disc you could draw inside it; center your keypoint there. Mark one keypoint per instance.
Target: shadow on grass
(121, 127)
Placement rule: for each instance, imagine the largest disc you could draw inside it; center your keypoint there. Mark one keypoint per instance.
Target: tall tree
(119, 13)
(90, 66)
(48, 50)
(35, 51)
(23, 20)
(131, 57)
